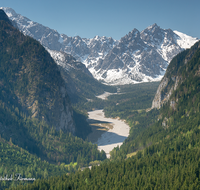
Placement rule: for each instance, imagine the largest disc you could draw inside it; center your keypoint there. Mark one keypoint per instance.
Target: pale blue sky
(111, 18)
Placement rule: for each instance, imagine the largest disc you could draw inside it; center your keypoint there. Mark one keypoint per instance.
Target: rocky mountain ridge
(136, 57)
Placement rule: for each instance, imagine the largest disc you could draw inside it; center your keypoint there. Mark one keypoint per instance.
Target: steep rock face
(174, 76)
(136, 57)
(157, 101)
(161, 96)
(164, 41)
(29, 73)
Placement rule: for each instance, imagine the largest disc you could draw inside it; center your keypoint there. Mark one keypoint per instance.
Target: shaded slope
(35, 110)
(30, 73)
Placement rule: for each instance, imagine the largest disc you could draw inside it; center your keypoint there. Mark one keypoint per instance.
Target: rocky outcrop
(58, 112)
(164, 92)
(65, 119)
(157, 101)
(68, 62)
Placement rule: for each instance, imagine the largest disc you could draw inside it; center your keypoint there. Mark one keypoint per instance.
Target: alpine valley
(136, 57)
(48, 82)
(162, 150)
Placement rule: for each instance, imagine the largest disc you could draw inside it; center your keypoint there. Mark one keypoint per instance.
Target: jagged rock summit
(136, 57)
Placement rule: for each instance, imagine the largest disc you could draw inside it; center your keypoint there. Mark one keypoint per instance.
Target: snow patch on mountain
(185, 41)
(136, 57)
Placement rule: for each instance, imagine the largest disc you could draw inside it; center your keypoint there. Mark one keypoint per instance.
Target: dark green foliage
(171, 170)
(139, 122)
(14, 160)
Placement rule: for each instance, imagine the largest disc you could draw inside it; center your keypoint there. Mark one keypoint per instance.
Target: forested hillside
(37, 122)
(163, 156)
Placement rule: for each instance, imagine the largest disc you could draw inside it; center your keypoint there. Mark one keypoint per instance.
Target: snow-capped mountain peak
(136, 57)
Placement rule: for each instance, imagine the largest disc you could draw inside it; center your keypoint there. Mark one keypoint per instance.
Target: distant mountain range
(136, 57)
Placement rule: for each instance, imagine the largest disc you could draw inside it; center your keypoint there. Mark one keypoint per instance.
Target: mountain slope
(136, 57)
(30, 74)
(36, 116)
(173, 77)
(4, 17)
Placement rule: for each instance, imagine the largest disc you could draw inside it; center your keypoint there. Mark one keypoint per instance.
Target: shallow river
(117, 131)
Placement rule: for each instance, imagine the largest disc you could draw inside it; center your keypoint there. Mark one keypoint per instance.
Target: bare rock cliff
(164, 92)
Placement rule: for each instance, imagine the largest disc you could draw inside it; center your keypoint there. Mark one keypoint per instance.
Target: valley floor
(107, 133)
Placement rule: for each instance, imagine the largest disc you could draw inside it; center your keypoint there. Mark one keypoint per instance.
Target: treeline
(81, 85)
(15, 160)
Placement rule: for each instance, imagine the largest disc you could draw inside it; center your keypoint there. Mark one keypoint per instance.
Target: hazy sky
(111, 18)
